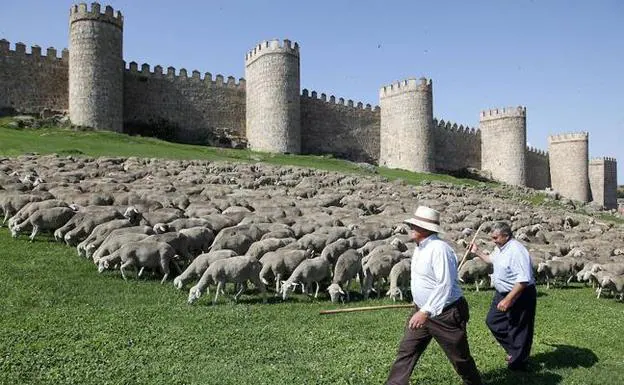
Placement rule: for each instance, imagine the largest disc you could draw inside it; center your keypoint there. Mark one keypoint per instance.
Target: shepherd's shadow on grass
(537, 373)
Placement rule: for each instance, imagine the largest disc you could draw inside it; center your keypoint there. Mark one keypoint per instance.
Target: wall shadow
(537, 373)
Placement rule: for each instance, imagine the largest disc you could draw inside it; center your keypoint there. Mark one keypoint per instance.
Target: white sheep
(399, 279)
(615, 283)
(199, 239)
(44, 220)
(475, 270)
(348, 266)
(281, 264)
(94, 246)
(112, 244)
(309, 271)
(237, 270)
(148, 254)
(199, 265)
(556, 269)
(377, 267)
(263, 246)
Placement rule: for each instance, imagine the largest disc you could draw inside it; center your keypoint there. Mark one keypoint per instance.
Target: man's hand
(418, 320)
(504, 304)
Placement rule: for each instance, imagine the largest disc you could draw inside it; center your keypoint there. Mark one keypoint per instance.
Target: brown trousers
(449, 330)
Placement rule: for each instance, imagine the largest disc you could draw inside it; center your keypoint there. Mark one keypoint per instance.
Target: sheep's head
(286, 286)
(335, 292)
(541, 267)
(394, 293)
(160, 228)
(177, 283)
(194, 295)
(15, 231)
(102, 265)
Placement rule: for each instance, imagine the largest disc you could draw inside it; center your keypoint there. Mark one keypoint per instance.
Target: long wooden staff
(365, 308)
(469, 246)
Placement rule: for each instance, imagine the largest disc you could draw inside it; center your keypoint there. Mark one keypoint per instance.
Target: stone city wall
(31, 82)
(347, 130)
(456, 147)
(603, 181)
(537, 168)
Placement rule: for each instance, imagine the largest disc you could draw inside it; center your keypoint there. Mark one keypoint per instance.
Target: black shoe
(519, 366)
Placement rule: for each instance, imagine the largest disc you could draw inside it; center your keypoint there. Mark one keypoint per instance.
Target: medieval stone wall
(330, 126)
(537, 168)
(31, 82)
(186, 109)
(456, 147)
(568, 156)
(603, 182)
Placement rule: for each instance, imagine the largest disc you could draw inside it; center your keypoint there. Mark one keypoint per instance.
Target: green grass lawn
(63, 323)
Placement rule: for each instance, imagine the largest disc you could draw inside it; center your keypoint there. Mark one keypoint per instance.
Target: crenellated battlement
(83, 12)
(408, 85)
(506, 112)
(340, 101)
(35, 51)
(454, 127)
(270, 47)
(132, 68)
(569, 137)
(536, 151)
(603, 160)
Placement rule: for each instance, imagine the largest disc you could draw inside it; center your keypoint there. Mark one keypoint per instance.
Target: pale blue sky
(563, 60)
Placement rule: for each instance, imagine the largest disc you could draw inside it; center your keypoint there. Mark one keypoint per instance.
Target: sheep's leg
(317, 290)
(569, 279)
(141, 272)
(547, 283)
(346, 290)
(164, 265)
(219, 287)
(123, 267)
(303, 289)
(239, 292)
(599, 292)
(6, 217)
(400, 294)
(35, 230)
(278, 282)
(258, 283)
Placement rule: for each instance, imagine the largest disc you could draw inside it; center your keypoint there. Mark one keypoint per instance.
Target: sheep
(284, 233)
(114, 242)
(399, 277)
(313, 241)
(378, 266)
(615, 283)
(163, 215)
(148, 254)
(100, 232)
(307, 272)
(11, 204)
(614, 268)
(335, 249)
(200, 264)
(31, 207)
(199, 239)
(281, 263)
(178, 241)
(44, 220)
(556, 269)
(95, 245)
(90, 221)
(261, 247)
(238, 270)
(348, 266)
(395, 245)
(179, 224)
(475, 270)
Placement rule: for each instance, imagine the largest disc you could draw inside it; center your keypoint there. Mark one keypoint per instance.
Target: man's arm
(484, 257)
(511, 297)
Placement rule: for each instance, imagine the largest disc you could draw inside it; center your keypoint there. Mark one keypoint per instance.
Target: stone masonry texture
(568, 155)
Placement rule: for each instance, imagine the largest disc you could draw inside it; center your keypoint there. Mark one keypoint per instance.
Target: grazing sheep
(348, 266)
(179, 224)
(335, 249)
(10, 204)
(556, 269)
(95, 245)
(164, 215)
(399, 277)
(31, 207)
(199, 239)
(178, 241)
(313, 241)
(100, 232)
(615, 283)
(378, 267)
(614, 268)
(114, 243)
(44, 220)
(281, 263)
(237, 270)
(148, 254)
(88, 223)
(475, 270)
(200, 264)
(261, 247)
(309, 271)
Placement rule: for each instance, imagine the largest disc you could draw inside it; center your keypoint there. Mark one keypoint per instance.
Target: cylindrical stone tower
(273, 97)
(503, 144)
(96, 67)
(569, 158)
(406, 132)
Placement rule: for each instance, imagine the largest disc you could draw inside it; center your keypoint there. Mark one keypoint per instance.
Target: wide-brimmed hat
(426, 218)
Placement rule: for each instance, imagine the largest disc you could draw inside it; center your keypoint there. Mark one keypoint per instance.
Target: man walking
(511, 318)
(440, 310)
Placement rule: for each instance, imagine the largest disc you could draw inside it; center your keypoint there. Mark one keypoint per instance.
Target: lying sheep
(280, 264)
(199, 265)
(44, 220)
(148, 254)
(309, 271)
(348, 266)
(237, 270)
(475, 270)
(399, 277)
(556, 269)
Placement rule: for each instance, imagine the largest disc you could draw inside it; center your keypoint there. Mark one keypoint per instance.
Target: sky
(563, 60)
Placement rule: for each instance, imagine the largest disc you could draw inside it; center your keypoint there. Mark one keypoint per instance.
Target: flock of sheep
(284, 228)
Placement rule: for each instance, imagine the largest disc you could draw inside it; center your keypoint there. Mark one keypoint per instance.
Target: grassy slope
(62, 323)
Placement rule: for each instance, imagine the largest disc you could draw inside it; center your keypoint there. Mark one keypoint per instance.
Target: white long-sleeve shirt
(434, 276)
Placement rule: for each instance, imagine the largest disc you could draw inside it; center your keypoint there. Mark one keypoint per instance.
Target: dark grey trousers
(449, 330)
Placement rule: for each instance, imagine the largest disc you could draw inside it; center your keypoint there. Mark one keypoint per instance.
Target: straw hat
(426, 218)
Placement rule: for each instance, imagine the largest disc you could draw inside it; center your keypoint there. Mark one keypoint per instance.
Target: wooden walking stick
(365, 308)
(463, 260)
